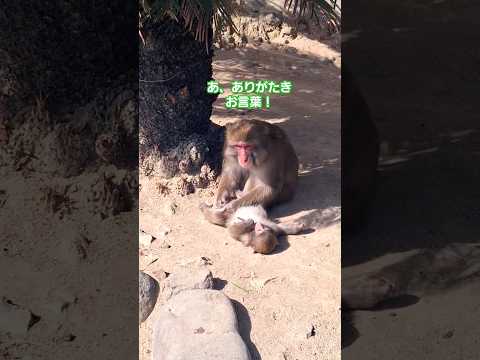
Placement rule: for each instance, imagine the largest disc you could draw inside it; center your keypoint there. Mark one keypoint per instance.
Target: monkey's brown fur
(271, 172)
(263, 243)
(251, 226)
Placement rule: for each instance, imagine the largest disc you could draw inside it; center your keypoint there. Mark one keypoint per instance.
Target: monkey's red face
(262, 229)
(244, 154)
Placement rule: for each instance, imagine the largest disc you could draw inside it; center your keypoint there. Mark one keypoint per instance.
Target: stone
(15, 320)
(158, 274)
(151, 225)
(144, 239)
(187, 278)
(147, 295)
(198, 325)
(164, 245)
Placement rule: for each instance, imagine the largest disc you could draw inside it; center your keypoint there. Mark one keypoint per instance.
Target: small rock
(448, 334)
(164, 245)
(144, 239)
(15, 319)
(154, 228)
(171, 208)
(187, 278)
(311, 332)
(206, 322)
(197, 261)
(205, 261)
(158, 274)
(160, 244)
(147, 295)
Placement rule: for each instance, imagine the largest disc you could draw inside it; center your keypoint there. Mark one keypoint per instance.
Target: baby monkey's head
(263, 239)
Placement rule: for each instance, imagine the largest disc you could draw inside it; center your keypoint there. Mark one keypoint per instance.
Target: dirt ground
(288, 303)
(427, 197)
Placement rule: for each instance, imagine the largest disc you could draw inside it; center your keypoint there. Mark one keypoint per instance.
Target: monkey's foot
(293, 228)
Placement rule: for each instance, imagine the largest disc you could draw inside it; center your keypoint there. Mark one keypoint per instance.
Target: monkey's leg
(283, 229)
(214, 216)
(291, 228)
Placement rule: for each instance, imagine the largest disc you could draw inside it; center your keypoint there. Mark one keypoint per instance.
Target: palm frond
(198, 16)
(328, 9)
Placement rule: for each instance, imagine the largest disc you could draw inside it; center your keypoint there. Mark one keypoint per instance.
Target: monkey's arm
(230, 182)
(260, 195)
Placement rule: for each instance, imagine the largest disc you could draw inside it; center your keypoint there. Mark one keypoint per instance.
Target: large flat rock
(198, 324)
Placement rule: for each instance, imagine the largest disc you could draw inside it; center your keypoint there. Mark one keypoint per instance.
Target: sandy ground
(427, 231)
(281, 297)
(428, 195)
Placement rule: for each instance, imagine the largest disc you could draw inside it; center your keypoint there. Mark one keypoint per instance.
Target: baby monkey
(251, 226)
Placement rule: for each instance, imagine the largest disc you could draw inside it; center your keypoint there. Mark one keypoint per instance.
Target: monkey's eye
(244, 147)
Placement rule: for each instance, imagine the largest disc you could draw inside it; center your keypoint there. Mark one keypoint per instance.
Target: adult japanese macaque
(259, 160)
(251, 226)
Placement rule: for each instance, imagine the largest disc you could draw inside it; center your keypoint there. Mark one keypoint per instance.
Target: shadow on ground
(245, 327)
(428, 201)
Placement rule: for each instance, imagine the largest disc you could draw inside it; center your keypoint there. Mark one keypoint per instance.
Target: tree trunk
(176, 135)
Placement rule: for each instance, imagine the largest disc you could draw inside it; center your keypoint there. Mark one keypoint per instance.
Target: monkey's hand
(224, 197)
(237, 229)
(228, 210)
(213, 215)
(225, 211)
(260, 195)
